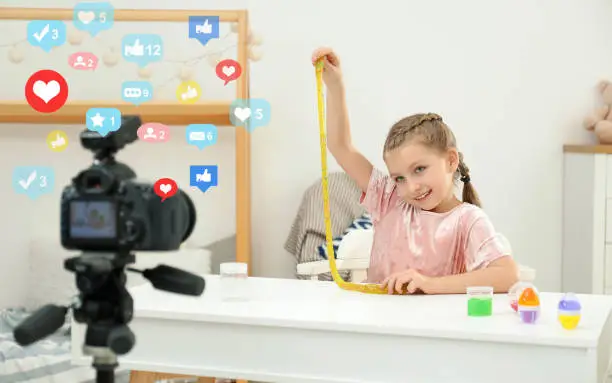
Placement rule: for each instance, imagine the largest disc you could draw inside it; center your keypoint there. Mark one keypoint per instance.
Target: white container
(233, 280)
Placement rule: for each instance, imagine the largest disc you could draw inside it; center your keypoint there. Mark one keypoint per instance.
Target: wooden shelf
(147, 15)
(603, 149)
(213, 112)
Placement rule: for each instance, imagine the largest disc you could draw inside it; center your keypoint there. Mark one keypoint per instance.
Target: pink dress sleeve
(381, 195)
(484, 245)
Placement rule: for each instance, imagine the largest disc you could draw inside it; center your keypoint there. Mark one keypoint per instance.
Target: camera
(106, 213)
(107, 209)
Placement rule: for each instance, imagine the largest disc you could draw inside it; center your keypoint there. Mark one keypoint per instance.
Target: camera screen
(92, 219)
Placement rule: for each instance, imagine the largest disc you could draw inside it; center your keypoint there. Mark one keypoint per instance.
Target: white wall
(512, 78)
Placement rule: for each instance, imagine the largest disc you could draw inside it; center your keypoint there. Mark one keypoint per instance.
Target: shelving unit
(168, 113)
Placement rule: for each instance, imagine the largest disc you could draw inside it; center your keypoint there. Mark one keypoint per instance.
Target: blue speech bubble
(103, 120)
(136, 92)
(142, 49)
(93, 17)
(203, 28)
(46, 34)
(250, 113)
(201, 135)
(203, 177)
(33, 181)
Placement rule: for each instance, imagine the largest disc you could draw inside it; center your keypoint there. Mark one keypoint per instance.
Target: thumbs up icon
(204, 177)
(58, 142)
(134, 50)
(205, 29)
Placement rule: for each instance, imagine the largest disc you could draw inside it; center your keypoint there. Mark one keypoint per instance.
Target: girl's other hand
(409, 281)
(332, 75)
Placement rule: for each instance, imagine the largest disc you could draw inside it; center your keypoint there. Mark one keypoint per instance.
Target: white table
(311, 331)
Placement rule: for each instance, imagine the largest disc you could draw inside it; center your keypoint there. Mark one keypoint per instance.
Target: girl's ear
(453, 160)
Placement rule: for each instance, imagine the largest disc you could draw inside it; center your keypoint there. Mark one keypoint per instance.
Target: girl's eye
(399, 179)
(419, 169)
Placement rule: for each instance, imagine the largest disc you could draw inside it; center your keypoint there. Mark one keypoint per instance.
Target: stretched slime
(363, 288)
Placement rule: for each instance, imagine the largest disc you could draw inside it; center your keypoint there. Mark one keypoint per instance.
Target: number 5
(102, 17)
(259, 114)
(43, 181)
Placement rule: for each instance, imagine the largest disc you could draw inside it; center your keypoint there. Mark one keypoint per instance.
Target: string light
(185, 70)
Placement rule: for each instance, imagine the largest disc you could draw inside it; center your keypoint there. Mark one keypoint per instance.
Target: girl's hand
(409, 281)
(332, 75)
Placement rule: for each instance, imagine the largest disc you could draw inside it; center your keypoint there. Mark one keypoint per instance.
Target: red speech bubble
(83, 61)
(154, 132)
(165, 188)
(228, 70)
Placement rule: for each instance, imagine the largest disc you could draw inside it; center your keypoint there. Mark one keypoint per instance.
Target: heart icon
(86, 17)
(242, 113)
(165, 188)
(229, 70)
(46, 91)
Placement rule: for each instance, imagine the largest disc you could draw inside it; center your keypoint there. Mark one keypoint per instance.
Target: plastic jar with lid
(480, 301)
(233, 278)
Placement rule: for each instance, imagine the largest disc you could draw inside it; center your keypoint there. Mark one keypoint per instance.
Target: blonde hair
(431, 131)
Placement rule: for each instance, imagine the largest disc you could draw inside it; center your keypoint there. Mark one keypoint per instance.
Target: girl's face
(424, 176)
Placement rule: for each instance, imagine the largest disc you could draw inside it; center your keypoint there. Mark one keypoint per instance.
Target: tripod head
(104, 305)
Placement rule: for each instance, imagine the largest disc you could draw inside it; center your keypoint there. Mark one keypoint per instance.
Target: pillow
(362, 223)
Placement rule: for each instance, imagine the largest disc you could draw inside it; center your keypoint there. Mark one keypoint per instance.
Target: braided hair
(431, 130)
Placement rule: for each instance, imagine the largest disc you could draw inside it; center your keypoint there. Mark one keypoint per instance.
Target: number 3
(55, 34)
(43, 181)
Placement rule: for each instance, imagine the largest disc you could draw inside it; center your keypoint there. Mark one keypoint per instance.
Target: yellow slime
(363, 288)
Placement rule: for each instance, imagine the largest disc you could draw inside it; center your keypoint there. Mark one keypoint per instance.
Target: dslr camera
(107, 209)
(106, 214)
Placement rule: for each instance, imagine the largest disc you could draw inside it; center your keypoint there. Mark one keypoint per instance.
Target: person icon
(150, 134)
(79, 62)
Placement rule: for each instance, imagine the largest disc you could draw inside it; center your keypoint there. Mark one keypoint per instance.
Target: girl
(425, 239)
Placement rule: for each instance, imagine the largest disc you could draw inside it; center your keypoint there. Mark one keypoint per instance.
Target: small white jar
(233, 280)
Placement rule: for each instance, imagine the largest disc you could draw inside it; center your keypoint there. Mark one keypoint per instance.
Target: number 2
(90, 63)
(154, 50)
(43, 181)
(162, 134)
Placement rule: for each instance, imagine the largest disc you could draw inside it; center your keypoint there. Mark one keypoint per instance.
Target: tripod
(105, 306)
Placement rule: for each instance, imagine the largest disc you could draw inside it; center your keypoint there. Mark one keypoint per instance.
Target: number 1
(113, 121)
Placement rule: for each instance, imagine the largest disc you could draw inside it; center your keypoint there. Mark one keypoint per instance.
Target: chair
(354, 256)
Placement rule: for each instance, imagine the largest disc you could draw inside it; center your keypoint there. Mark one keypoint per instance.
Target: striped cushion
(362, 223)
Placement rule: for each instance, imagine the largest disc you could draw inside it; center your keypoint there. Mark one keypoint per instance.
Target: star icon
(97, 120)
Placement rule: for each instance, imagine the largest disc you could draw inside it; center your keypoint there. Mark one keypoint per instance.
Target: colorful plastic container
(480, 301)
(529, 305)
(570, 311)
(515, 292)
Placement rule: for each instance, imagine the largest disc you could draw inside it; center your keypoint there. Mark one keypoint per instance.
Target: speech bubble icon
(154, 132)
(228, 70)
(250, 113)
(103, 120)
(201, 135)
(165, 188)
(33, 181)
(203, 28)
(136, 92)
(142, 49)
(93, 17)
(83, 61)
(203, 177)
(46, 34)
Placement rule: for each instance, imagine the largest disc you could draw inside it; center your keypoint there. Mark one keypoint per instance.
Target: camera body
(105, 209)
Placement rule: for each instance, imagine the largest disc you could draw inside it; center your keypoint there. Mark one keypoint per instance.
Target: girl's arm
(339, 140)
(500, 274)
